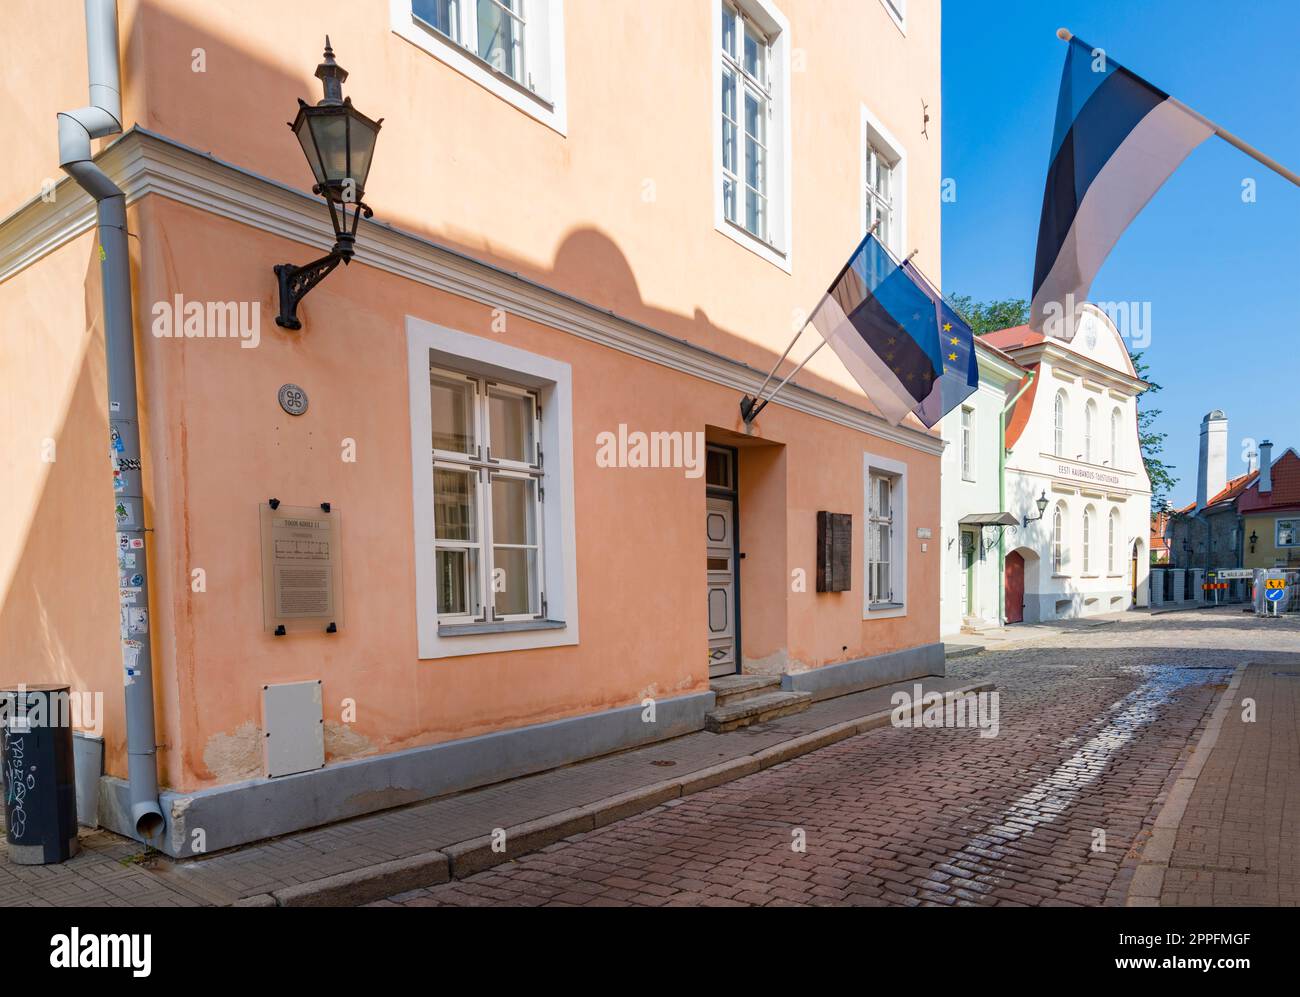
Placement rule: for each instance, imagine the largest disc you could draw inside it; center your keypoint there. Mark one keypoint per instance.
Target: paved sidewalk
(1238, 843)
(338, 863)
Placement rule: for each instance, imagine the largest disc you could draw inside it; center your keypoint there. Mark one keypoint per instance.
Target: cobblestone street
(1095, 725)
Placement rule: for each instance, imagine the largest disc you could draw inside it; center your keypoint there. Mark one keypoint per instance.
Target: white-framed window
(1058, 423)
(752, 126)
(897, 10)
(1112, 543)
(1059, 539)
(1089, 535)
(1116, 421)
(1090, 431)
(1287, 533)
(487, 499)
(884, 184)
(514, 48)
(967, 443)
(492, 480)
(885, 542)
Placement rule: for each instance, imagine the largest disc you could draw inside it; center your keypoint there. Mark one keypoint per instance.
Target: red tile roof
(1009, 339)
(1286, 487)
(1230, 491)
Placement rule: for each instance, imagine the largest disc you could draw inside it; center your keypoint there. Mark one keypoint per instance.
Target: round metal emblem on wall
(292, 399)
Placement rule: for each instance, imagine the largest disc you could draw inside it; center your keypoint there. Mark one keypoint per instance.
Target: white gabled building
(973, 514)
(1072, 439)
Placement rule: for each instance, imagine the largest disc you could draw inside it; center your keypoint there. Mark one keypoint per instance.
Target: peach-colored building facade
(552, 230)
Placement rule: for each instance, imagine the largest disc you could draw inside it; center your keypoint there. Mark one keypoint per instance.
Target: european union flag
(961, 374)
(885, 326)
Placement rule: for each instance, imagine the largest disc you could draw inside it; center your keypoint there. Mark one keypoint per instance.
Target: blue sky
(1220, 274)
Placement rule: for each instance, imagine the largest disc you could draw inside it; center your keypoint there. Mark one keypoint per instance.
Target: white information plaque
(301, 572)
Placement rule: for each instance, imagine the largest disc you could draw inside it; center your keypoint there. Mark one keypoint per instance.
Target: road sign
(1234, 573)
(1274, 583)
(1275, 595)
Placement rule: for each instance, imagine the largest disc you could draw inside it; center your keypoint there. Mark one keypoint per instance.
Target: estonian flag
(886, 330)
(1117, 139)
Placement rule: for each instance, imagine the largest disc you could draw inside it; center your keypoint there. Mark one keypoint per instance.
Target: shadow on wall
(59, 614)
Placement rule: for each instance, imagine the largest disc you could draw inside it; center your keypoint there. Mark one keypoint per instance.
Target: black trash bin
(39, 777)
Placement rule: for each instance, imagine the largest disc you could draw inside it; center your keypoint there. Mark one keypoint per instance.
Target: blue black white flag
(1117, 140)
(885, 328)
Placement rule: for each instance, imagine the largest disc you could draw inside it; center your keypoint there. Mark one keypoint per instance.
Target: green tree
(1151, 442)
(988, 316)
(984, 317)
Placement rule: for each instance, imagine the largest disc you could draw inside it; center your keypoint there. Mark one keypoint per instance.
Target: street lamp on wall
(339, 143)
(1041, 502)
(1254, 539)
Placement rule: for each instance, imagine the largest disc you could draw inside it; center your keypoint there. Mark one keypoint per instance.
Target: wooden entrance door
(1015, 587)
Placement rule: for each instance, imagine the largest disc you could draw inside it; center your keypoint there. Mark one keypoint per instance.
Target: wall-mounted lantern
(1254, 539)
(1041, 502)
(339, 142)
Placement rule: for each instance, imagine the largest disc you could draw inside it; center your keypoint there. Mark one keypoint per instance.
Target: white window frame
(1060, 420)
(897, 11)
(552, 380)
(966, 429)
(542, 94)
(486, 467)
(1116, 422)
(875, 135)
(874, 465)
(1112, 543)
(1295, 531)
(1089, 537)
(1090, 432)
(1060, 539)
(777, 247)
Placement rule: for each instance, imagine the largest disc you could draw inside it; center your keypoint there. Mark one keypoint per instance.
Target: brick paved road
(1092, 732)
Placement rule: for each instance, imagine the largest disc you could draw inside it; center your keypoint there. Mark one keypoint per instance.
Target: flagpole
(1065, 35)
(753, 411)
(747, 404)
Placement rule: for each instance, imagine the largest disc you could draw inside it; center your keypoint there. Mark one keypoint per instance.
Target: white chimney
(1252, 459)
(1213, 470)
(1265, 467)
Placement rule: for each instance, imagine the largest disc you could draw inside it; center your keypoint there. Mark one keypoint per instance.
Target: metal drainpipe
(1002, 494)
(76, 129)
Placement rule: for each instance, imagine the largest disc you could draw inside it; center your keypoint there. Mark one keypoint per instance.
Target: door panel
(720, 562)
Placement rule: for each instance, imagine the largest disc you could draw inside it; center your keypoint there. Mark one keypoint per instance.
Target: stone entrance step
(730, 689)
(755, 709)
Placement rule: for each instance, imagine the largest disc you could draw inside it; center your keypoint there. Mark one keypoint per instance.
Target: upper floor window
(752, 70)
(1287, 533)
(897, 10)
(884, 181)
(1058, 424)
(967, 444)
(515, 48)
(1090, 431)
(1116, 420)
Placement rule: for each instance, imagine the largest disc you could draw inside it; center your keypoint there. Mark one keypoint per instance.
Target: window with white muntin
(487, 492)
(753, 135)
(494, 30)
(885, 540)
(514, 48)
(967, 444)
(884, 184)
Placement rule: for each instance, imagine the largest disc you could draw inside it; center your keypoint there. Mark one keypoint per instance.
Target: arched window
(1112, 543)
(1115, 421)
(1058, 425)
(1089, 531)
(1090, 431)
(1058, 539)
